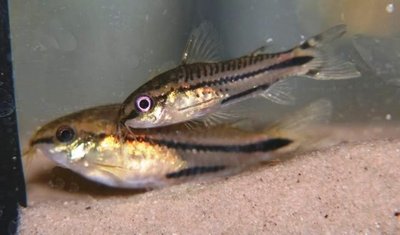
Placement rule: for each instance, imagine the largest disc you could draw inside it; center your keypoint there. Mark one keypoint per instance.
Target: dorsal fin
(259, 51)
(203, 45)
(262, 49)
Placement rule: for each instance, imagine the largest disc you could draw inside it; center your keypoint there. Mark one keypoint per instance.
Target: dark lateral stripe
(192, 171)
(245, 93)
(261, 146)
(132, 115)
(297, 61)
(45, 140)
(49, 140)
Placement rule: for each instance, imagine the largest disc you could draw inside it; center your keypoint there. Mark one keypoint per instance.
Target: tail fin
(301, 126)
(325, 65)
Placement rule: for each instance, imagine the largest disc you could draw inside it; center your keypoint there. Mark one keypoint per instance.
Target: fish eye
(65, 134)
(144, 103)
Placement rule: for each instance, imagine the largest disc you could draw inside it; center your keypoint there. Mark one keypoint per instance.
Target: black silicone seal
(12, 185)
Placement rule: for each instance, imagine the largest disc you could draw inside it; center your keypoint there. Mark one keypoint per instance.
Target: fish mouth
(130, 122)
(58, 158)
(151, 121)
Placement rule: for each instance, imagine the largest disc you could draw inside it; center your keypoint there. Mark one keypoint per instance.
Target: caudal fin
(302, 126)
(325, 65)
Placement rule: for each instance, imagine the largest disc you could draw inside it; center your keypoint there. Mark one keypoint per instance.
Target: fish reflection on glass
(200, 87)
(381, 55)
(88, 143)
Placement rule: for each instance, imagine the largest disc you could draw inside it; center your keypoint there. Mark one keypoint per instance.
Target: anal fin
(280, 93)
(224, 115)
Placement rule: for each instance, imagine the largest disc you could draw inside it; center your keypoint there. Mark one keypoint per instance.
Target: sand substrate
(350, 188)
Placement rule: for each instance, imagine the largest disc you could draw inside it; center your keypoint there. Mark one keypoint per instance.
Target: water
(72, 55)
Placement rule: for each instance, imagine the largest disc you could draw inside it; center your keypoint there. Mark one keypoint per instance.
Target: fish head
(147, 106)
(151, 106)
(84, 142)
(143, 110)
(68, 139)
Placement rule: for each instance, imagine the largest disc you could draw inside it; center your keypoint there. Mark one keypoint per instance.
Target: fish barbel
(88, 143)
(199, 88)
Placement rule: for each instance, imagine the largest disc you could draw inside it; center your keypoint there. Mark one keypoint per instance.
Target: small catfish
(88, 143)
(200, 88)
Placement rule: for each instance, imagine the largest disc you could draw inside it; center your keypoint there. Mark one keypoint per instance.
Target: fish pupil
(65, 134)
(144, 103)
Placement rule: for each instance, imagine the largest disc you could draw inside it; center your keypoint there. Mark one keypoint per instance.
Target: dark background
(12, 187)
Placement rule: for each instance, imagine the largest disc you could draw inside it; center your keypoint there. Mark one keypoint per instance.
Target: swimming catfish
(200, 87)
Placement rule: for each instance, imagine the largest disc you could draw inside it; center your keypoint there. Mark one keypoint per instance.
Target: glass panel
(73, 55)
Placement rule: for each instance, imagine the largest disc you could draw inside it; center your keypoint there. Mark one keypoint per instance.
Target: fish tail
(324, 65)
(302, 127)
